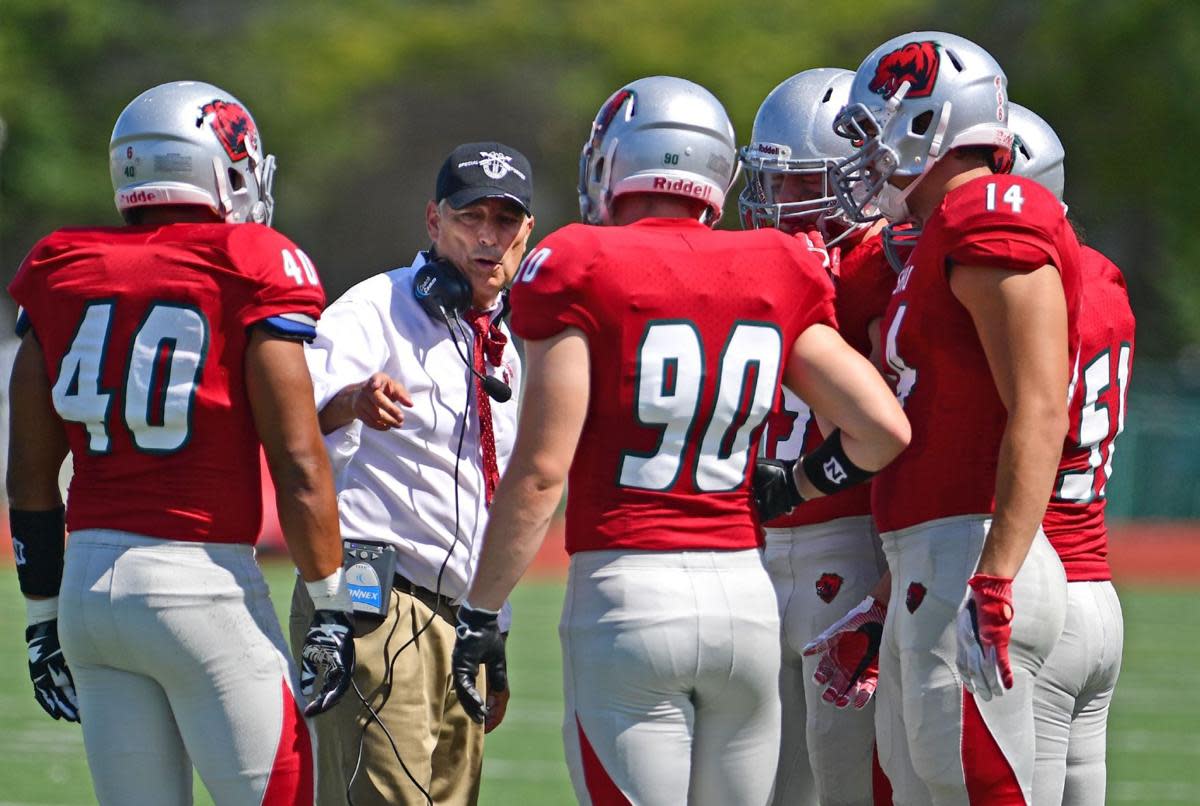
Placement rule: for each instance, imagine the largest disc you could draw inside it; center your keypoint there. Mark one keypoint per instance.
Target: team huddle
(835, 481)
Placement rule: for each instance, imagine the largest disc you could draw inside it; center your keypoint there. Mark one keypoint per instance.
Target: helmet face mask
(913, 100)
(657, 135)
(782, 192)
(792, 147)
(190, 143)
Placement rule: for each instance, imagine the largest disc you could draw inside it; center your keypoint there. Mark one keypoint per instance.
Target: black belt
(438, 604)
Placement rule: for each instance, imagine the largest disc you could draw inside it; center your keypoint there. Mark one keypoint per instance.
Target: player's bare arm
(843, 388)
(1021, 318)
(37, 447)
(280, 391)
(554, 407)
(37, 440)
(373, 401)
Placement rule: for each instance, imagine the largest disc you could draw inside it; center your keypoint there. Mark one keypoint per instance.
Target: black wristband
(38, 547)
(829, 469)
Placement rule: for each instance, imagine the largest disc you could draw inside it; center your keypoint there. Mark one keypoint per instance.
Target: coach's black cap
(475, 171)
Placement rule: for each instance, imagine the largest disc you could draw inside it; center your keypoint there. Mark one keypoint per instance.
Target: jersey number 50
(670, 382)
(166, 356)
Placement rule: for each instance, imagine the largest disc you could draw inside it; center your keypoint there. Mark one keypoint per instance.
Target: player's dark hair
(1077, 225)
(983, 154)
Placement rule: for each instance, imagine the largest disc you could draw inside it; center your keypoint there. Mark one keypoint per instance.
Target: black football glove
(479, 641)
(775, 491)
(52, 682)
(328, 651)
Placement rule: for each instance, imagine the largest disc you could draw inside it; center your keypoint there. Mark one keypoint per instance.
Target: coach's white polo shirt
(398, 485)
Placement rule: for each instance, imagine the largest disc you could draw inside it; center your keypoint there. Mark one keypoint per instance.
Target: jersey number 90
(667, 396)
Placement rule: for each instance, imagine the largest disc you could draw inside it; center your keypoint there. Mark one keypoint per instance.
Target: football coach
(416, 381)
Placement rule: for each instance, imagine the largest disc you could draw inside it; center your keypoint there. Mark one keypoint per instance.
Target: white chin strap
(892, 201)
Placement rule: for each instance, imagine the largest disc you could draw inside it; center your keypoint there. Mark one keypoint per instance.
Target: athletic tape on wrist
(830, 469)
(38, 547)
(330, 593)
(39, 610)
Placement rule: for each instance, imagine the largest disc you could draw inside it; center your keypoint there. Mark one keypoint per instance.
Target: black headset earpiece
(441, 289)
(444, 293)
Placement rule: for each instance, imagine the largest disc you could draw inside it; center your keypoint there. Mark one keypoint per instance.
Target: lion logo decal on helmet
(916, 62)
(232, 125)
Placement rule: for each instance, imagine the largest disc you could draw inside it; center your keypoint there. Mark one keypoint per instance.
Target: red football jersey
(863, 288)
(933, 356)
(1074, 519)
(688, 333)
(144, 331)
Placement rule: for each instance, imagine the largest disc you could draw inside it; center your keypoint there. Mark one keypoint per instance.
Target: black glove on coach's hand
(52, 682)
(479, 641)
(775, 491)
(329, 650)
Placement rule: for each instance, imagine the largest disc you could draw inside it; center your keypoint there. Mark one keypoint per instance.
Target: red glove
(984, 630)
(849, 651)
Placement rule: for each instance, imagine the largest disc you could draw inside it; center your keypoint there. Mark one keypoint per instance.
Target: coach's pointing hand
(375, 403)
(479, 641)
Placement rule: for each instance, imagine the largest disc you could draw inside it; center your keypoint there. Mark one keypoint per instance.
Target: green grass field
(1154, 732)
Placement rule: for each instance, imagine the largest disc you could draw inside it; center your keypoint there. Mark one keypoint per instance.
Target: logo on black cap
(496, 164)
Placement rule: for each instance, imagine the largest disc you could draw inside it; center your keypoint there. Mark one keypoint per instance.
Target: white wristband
(330, 593)
(39, 610)
(483, 610)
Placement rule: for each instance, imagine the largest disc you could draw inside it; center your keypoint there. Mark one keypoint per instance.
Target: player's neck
(944, 177)
(635, 206)
(162, 215)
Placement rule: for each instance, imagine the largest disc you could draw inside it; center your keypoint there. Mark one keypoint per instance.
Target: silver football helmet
(913, 100)
(188, 142)
(658, 135)
(1038, 154)
(793, 136)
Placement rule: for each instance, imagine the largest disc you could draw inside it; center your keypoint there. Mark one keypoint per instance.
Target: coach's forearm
(1028, 462)
(521, 513)
(339, 411)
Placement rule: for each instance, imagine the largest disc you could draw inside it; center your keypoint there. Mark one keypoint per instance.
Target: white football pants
(820, 572)
(671, 675)
(178, 658)
(939, 744)
(1073, 693)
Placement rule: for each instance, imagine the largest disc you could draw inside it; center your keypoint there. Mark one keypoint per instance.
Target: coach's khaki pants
(406, 681)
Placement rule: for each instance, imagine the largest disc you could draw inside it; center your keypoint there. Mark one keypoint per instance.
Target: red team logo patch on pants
(828, 586)
(914, 596)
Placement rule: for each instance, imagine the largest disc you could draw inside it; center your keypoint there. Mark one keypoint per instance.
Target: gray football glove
(53, 685)
(328, 652)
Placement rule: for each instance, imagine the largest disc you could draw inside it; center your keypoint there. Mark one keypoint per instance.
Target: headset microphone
(496, 389)
(445, 294)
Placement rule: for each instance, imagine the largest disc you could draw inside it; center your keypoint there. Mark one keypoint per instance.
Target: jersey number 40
(667, 396)
(162, 368)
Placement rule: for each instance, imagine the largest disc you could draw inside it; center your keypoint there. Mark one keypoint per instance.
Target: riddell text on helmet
(685, 187)
(138, 197)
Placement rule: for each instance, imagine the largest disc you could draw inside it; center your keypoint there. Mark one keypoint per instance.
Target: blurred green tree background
(361, 99)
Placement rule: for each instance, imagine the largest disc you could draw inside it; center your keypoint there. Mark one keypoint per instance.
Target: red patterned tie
(486, 341)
